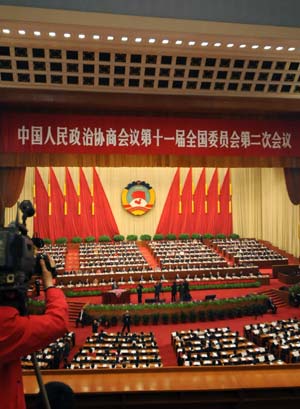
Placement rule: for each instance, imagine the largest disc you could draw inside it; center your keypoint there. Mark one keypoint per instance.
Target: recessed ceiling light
(254, 46)
(110, 38)
(81, 36)
(138, 39)
(22, 32)
(96, 37)
(204, 43)
(52, 34)
(230, 45)
(267, 47)
(178, 42)
(5, 31)
(67, 35)
(192, 42)
(37, 33)
(217, 44)
(242, 46)
(279, 48)
(151, 40)
(165, 41)
(124, 38)
(291, 49)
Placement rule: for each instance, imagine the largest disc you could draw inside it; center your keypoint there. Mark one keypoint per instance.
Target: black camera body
(18, 261)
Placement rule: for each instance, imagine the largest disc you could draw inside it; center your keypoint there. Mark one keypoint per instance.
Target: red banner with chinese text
(58, 133)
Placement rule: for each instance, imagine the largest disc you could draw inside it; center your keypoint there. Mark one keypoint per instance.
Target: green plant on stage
(76, 239)
(90, 239)
(46, 240)
(104, 239)
(118, 237)
(131, 237)
(184, 236)
(61, 240)
(145, 237)
(171, 236)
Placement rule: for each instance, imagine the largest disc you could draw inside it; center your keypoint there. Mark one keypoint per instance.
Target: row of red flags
(87, 212)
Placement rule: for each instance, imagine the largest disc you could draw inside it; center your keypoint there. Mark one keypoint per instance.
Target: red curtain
(103, 219)
(225, 223)
(86, 223)
(56, 208)
(71, 219)
(41, 204)
(292, 181)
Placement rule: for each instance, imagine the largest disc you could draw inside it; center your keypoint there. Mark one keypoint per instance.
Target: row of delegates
(23, 334)
(53, 355)
(218, 348)
(117, 350)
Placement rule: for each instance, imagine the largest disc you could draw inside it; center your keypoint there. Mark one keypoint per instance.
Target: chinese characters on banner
(148, 135)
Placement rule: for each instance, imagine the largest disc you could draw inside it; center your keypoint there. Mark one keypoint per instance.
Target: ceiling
(49, 56)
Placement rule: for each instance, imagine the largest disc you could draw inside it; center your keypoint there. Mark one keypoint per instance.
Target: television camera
(19, 254)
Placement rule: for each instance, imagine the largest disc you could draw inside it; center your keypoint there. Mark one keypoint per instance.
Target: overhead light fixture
(96, 37)
(192, 43)
(279, 48)
(165, 41)
(204, 44)
(37, 33)
(178, 42)
(124, 38)
(81, 36)
(67, 35)
(151, 40)
(242, 45)
(217, 44)
(255, 46)
(52, 34)
(267, 47)
(110, 38)
(230, 45)
(138, 39)
(291, 49)
(22, 32)
(5, 31)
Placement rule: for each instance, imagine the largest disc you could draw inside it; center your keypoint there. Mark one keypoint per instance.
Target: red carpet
(148, 256)
(72, 258)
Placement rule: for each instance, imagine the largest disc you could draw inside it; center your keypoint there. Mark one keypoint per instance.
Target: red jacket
(20, 336)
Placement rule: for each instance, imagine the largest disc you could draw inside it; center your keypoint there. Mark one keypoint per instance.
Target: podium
(117, 296)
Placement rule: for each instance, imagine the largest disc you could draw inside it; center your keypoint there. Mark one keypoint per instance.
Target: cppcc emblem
(138, 198)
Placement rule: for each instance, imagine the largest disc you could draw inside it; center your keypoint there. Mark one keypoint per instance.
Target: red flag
(56, 207)
(200, 216)
(170, 217)
(41, 203)
(225, 204)
(85, 217)
(71, 219)
(103, 219)
(186, 225)
(212, 205)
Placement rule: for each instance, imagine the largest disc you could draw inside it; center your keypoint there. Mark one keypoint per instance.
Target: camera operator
(22, 335)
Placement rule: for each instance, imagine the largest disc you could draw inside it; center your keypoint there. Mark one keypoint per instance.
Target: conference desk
(117, 296)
